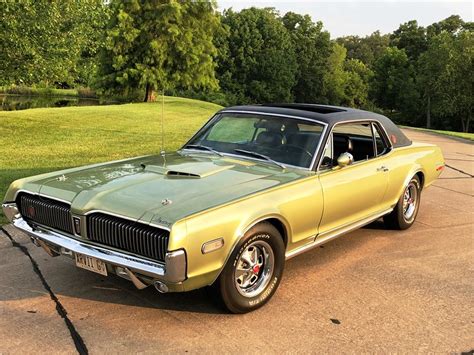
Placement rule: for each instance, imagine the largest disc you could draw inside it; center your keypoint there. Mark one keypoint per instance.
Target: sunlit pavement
(372, 290)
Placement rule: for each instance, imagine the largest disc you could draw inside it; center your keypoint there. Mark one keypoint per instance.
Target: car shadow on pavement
(68, 281)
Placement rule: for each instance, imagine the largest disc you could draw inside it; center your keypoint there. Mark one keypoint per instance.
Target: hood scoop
(182, 174)
(187, 171)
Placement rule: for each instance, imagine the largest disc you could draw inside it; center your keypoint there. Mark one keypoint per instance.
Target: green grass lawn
(46, 139)
(468, 136)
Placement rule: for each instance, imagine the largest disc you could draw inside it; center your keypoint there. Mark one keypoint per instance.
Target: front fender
(299, 214)
(226, 223)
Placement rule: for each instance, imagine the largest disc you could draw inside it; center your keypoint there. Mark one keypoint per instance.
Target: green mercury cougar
(255, 186)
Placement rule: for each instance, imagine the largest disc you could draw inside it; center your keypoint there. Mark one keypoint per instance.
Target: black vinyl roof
(330, 115)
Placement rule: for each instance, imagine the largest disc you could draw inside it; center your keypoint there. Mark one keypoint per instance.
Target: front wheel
(404, 214)
(254, 270)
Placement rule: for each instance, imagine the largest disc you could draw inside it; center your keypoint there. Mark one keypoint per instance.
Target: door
(356, 191)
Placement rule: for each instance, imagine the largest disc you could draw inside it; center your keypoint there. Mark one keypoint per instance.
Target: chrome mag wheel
(410, 199)
(254, 269)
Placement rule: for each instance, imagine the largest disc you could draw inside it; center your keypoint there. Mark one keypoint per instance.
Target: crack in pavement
(459, 170)
(454, 178)
(76, 337)
(459, 192)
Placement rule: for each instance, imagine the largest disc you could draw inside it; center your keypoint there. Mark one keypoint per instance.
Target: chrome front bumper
(172, 271)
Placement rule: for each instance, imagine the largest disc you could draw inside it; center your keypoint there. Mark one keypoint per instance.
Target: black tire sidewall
(231, 297)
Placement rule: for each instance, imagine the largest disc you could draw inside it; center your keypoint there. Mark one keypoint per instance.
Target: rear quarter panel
(405, 162)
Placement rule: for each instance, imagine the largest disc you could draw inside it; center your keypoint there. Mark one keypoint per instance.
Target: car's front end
(144, 222)
(102, 243)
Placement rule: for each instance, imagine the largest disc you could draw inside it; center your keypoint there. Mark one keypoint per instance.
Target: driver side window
(354, 138)
(363, 140)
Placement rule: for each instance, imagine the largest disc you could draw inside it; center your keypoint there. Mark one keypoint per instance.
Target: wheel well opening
(421, 177)
(280, 228)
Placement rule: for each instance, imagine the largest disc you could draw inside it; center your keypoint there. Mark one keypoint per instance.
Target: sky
(350, 17)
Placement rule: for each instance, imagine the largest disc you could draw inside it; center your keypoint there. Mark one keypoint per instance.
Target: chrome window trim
(275, 114)
(384, 137)
(316, 151)
(369, 121)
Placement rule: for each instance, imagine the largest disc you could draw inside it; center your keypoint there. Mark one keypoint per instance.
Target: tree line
(420, 76)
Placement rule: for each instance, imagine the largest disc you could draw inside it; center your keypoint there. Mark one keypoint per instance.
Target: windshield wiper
(203, 147)
(258, 155)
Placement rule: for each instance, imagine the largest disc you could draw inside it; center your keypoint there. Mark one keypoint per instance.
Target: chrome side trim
(333, 234)
(172, 271)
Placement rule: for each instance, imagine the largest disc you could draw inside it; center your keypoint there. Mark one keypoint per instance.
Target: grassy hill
(46, 139)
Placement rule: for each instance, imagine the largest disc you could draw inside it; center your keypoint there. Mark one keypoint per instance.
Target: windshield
(275, 139)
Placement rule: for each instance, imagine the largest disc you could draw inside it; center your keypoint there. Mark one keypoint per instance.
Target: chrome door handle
(382, 168)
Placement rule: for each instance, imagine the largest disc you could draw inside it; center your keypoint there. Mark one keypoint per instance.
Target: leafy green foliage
(451, 24)
(335, 76)
(312, 47)
(410, 37)
(44, 42)
(446, 77)
(393, 84)
(418, 75)
(260, 64)
(163, 44)
(366, 49)
(357, 83)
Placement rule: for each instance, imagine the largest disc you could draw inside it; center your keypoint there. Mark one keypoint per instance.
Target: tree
(335, 77)
(410, 37)
(261, 62)
(163, 44)
(446, 78)
(312, 47)
(43, 41)
(357, 83)
(452, 24)
(346, 81)
(366, 49)
(393, 85)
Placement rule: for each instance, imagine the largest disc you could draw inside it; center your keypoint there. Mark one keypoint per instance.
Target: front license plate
(91, 264)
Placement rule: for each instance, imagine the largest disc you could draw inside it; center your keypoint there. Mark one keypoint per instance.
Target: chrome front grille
(128, 236)
(45, 211)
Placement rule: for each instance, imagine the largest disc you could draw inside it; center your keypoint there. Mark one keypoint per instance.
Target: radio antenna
(163, 153)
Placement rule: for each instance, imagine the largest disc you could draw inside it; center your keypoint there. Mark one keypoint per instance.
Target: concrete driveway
(372, 290)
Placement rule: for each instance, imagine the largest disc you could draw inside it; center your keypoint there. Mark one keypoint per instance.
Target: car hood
(161, 189)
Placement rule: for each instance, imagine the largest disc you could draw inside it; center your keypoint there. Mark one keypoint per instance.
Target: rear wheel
(404, 214)
(254, 270)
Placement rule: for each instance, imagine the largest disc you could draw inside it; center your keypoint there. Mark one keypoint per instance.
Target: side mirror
(345, 159)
